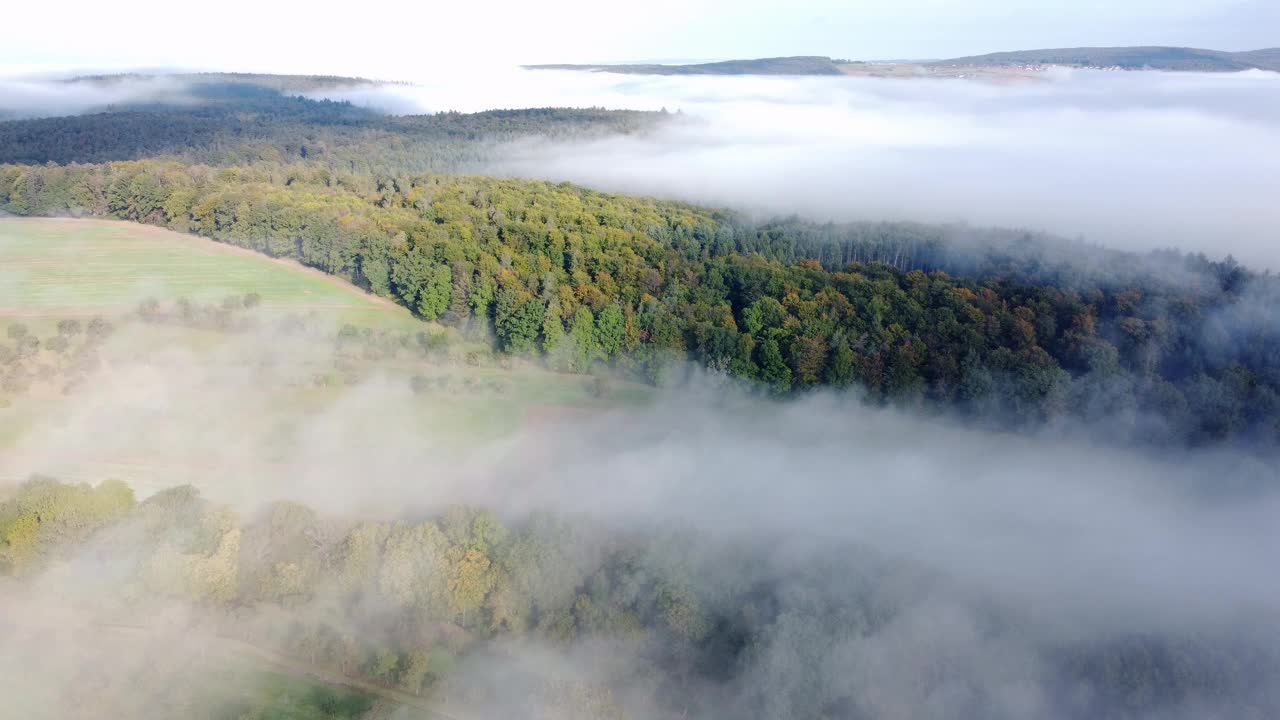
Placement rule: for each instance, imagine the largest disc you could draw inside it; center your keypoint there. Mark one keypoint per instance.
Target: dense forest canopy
(1183, 353)
(234, 120)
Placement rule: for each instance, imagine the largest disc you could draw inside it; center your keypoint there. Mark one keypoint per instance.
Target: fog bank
(31, 97)
(1134, 160)
(988, 554)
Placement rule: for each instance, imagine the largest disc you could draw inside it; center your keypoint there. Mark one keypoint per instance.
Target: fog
(1134, 160)
(1131, 160)
(987, 554)
(31, 97)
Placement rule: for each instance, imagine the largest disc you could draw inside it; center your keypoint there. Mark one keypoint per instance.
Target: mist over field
(904, 567)
(1133, 160)
(31, 97)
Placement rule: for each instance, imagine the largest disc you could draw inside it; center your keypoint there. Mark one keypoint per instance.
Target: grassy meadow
(56, 269)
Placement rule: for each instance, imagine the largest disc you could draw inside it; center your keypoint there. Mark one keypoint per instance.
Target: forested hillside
(995, 325)
(1180, 59)
(235, 120)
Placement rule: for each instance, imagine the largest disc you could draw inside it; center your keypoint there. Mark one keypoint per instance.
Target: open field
(54, 268)
(235, 412)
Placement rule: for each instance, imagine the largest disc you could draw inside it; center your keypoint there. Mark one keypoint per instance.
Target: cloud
(982, 557)
(30, 97)
(1132, 160)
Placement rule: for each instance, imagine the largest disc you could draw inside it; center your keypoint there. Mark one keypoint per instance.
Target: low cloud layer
(22, 98)
(1131, 160)
(989, 552)
(1134, 160)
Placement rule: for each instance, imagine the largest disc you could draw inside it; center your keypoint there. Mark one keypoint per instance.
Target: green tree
(552, 328)
(610, 330)
(433, 300)
(773, 369)
(518, 319)
(585, 339)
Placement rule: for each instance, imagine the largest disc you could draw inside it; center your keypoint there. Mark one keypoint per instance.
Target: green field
(54, 268)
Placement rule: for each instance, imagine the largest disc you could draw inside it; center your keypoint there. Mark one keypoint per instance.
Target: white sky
(394, 39)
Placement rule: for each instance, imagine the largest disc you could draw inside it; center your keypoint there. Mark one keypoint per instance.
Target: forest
(1009, 328)
(242, 120)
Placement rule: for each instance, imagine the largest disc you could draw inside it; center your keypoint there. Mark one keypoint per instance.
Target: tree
(610, 329)
(417, 663)
(808, 358)
(433, 300)
(414, 570)
(773, 369)
(763, 314)
(518, 318)
(585, 339)
(552, 328)
(69, 328)
(99, 328)
(470, 580)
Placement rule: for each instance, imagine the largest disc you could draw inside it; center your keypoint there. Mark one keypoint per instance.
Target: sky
(414, 40)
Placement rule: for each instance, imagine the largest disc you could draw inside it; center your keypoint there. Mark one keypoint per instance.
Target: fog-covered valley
(644, 392)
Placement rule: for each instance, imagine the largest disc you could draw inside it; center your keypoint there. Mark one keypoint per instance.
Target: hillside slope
(1131, 58)
(796, 65)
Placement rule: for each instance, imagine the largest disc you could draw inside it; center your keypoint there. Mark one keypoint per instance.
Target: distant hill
(798, 65)
(279, 83)
(1131, 58)
(232, 118)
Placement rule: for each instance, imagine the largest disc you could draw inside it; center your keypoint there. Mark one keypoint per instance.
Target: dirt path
(53, 616)
(238, 648)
